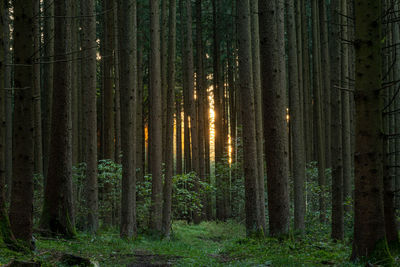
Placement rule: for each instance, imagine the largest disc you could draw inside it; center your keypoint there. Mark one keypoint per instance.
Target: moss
(7, 237)
(381, 254)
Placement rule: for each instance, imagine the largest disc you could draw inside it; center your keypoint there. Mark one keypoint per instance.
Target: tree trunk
(117, 102)
(128, 83)
(346, 129)
(155, 119)
(296, 122)
(255, 49)
(48, 52)
(21, 206)
(336, 126)
(37, 108)
(274, 108)
(369, 227)
(89, 71)
(246, 86)
(57, 216)
(318, 115)
(169, 148)
(6, 235)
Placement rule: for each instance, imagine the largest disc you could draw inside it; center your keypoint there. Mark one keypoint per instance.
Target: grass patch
(207, 244)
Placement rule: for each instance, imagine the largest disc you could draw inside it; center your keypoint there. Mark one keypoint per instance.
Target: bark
(296, 122)
(48, 52)
(218, 112)
(76, 88)
(108, 82)
(155, 144)
(8, 104)
(140, 150)
(308, 112)
(369, 229)
(246, 86)
(191, 100)
(318, 114)
(169, 148)
(6, 235)
(255, 49)
(57, 215)
(89, 71)
(326, 80)
(336, 126)
(274, 109)
(21, 216)
(128, 83)
(164, 71)
(201, 98)
(178, 107)
(346, 129)
(37, 123)
(117, 102)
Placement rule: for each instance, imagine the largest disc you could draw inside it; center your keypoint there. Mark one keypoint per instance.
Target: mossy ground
(207, 244)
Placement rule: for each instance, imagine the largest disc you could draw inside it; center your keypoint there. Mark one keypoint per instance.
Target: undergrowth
(207, 244)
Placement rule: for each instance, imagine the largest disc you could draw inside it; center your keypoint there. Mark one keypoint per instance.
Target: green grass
(207, 244)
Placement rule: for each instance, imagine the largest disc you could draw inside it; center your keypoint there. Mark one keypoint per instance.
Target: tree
(169, 152)
(255, 49)
(369, 227)
(57, 215)
(336, 126)
(274, 110)
(246, 87)
(127, 33)
(89, 71)
(21, 215)
(155, 153)
(296, 122)
(6, 236)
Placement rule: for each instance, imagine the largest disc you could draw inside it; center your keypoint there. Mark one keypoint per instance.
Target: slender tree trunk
(89, 71)
(296, 122)
(255, 49)
(169, 154)
(8, 102)
(156, 119)
(76, 86)
(201, 96)
(274, 109)
(369, 228)
(6, 235)
(21, 215)
(140, 171)
(246, 86)
(48, 52)
(117, 102)
(128, 82)
(346, 129)
(326, 80)
(318, 110)
(164, 72)
(37, 107)
(178, 107)
(308, 112)
(109, 132)
(336, 126)
(57, 216)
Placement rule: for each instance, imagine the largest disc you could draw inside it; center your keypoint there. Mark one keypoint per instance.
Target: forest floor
(207, 244)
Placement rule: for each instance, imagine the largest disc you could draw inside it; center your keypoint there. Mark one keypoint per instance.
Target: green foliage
(207, 244)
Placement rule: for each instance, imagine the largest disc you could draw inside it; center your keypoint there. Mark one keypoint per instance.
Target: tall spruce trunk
(336, 126)
(89, 71)
(21, 216)
(369, 227)
(274, 107)
(296, 121)
(57, 215)
(155, 119)
(169, 148)
(128, 83)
